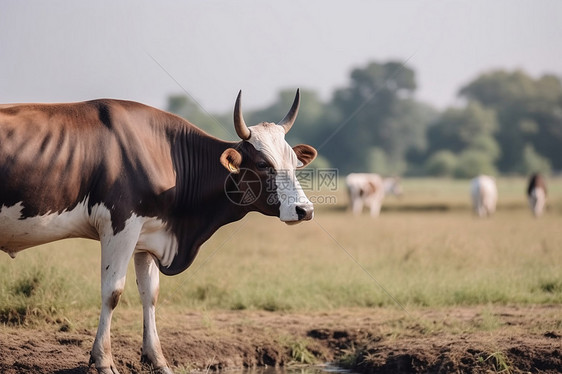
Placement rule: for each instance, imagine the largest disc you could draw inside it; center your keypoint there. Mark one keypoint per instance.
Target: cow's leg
(357, 205)
(116, 252)
(533, 203)
(148, 285)
(480, 209)
(375, 207)
(541, 202)
(537, 200)
(489, 206)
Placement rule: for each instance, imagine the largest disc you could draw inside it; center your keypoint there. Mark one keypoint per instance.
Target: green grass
(300, 353)
(499, 362)
(410, 256)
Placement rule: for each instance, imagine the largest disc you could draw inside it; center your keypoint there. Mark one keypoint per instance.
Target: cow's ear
(305, 154)
(231, 159)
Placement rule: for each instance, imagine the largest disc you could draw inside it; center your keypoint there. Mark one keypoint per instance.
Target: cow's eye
(262, 165)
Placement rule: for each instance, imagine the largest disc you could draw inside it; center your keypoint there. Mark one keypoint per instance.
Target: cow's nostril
(304, 213)
(301, 213)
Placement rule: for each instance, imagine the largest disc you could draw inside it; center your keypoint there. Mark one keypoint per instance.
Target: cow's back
(49, 155)
(57, 157)
(364, 185)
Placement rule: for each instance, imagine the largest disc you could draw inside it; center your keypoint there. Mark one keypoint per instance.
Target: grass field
(425, 250)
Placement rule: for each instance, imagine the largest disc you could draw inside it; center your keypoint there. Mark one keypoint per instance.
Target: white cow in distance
(484, 195)
(369, 190)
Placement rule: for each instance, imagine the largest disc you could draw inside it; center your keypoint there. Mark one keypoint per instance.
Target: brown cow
(143, 182)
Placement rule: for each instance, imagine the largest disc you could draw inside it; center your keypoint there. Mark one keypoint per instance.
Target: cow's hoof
(107, 370)
(147, 363)
(103, 370)
(160, 370)
(163, 370)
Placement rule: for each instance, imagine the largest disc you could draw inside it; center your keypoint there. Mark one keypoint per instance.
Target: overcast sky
(139, 50)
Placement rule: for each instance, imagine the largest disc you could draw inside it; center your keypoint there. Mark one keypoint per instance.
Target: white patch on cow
(365, 189)
(537, 201)
(156, 239)
(484, 195)
(269, 139)
(17, 233)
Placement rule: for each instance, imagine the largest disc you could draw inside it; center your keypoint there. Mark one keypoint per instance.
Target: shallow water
(308, 369)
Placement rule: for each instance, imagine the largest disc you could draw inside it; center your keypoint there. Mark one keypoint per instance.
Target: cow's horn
(239, 125)
(289, 119)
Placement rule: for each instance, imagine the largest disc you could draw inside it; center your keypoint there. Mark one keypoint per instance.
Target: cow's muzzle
(296, 212)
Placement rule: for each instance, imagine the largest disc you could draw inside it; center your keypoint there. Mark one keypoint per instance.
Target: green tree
(441, 164)
(529, 111)
(468, 132)
(472, 162)
(532, 162)
(458, 129)
(375, 110)
(488, 145)
(377, 162)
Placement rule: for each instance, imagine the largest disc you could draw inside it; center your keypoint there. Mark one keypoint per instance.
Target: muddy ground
(467, 340)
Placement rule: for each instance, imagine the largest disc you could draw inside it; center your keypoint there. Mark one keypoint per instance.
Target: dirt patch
(468, 340)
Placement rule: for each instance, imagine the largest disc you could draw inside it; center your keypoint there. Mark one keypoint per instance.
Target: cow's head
(263, 166)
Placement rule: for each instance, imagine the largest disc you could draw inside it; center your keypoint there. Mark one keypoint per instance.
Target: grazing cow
(145, 183)
(536, 193)
(370, 190)
(484, 195)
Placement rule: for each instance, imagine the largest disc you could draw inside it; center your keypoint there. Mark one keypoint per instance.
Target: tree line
(508, 123)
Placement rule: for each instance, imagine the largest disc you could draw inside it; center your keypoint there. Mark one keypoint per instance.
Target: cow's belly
(17, 233)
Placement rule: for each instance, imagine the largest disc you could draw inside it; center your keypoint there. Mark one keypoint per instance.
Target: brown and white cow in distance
(369, 189)
(145, 183)
(536, 194)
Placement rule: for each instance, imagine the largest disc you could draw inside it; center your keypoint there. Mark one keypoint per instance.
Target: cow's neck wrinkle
(202, 206)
